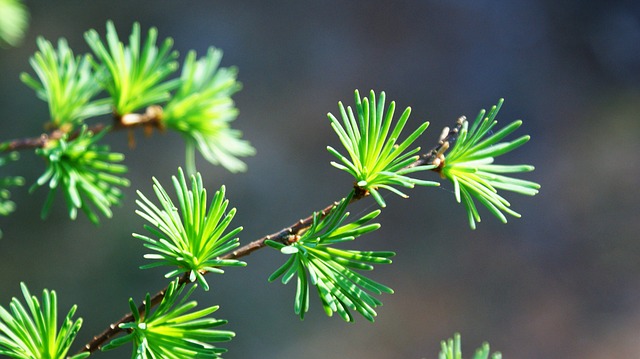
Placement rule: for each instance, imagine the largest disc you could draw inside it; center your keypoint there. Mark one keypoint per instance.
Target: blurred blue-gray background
(561, 282)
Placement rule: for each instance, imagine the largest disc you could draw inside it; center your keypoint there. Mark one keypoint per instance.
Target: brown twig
(151, 118)
(114, 328)
(447, 138)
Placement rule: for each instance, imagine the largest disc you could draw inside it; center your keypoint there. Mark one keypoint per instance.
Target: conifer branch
(285, 236)
(194, 240)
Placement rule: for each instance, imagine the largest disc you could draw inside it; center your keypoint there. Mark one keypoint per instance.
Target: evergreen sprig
(470, 166)
(314, 259)
(13, 22)
(32, 333)
(202, 109)
(191, 239)
(451, 349)
(67, 83)
(88, 173)
(172, 331)
(136, 75)
(376, 157)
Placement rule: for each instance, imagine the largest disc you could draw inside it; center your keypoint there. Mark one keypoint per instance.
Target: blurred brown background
(562, 282)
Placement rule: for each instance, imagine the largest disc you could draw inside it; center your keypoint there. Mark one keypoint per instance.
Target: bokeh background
(562, 282)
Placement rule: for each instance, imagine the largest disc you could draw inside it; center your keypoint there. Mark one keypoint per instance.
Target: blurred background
(561, 282)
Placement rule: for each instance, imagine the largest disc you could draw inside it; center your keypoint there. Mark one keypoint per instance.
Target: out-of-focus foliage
(67, 83)
(137, 77)
(452, 349)
(14, 20)
(202, 109)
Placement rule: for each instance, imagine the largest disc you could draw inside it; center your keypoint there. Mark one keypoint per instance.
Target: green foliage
(451, 349)
(193, 240)
(469, 165)
(67, 83)
(202, 109)
(6, 205)
(171, 332)
(135, 76)
(87, 173)
(32, 333)
(313, 258)
(14, 19)
(377, 160)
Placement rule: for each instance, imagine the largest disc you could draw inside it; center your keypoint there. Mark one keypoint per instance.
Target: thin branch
(447, 139)
(42, 140)
(151, 118)
(286, 236)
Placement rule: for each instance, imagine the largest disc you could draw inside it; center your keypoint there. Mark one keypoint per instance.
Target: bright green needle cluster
(469, 165)
(135, 75)
(202, 109)
(377, 159)
(173, 331)
(190, 238)
(68, 84)
(13, 22)
(32, 333)
(87, 173)
(451, 349)
(314, 260)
